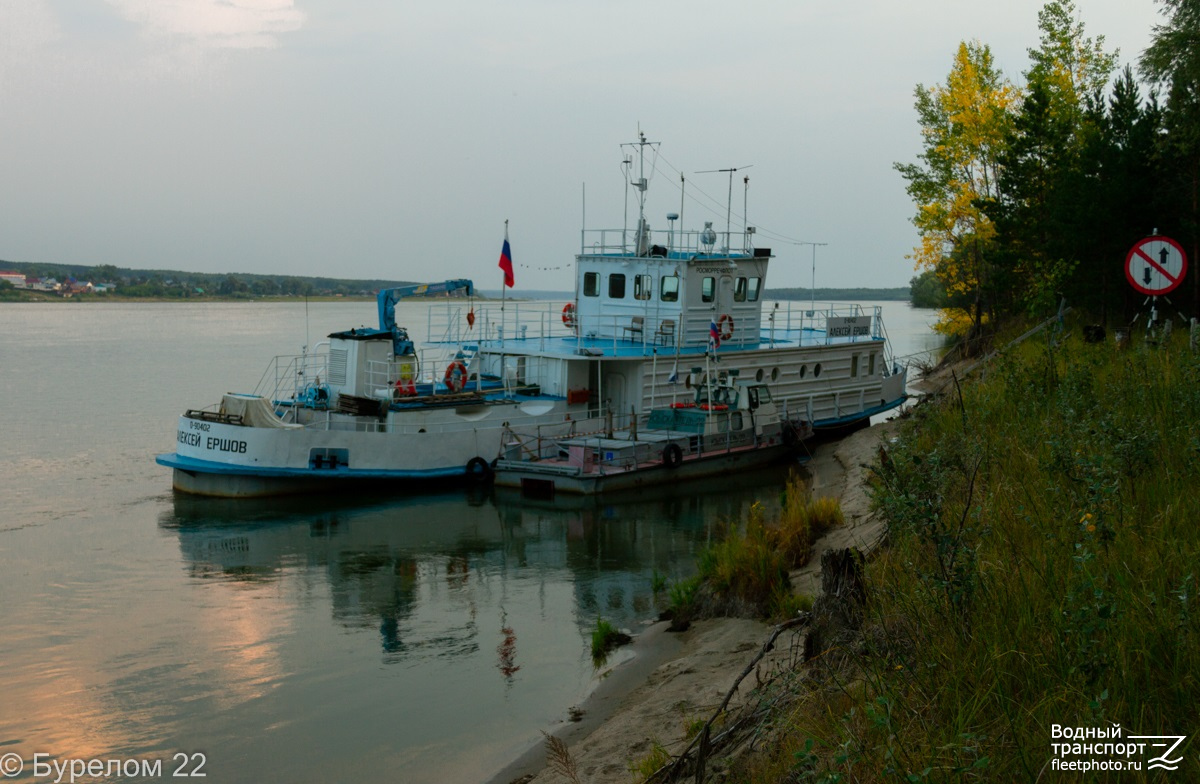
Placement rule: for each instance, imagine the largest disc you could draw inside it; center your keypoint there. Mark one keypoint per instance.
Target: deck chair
(634, 330)
(666, 332)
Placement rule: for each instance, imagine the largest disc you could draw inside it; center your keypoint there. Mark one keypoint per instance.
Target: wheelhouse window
(755, 288)
(758, 396)
(643, 286)
(616, 286)
(709, 292)
(669, 288)
(739, 291)
(591, 284)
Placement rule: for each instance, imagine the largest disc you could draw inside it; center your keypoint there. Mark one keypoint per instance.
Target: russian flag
(714, 334)
(506, 264)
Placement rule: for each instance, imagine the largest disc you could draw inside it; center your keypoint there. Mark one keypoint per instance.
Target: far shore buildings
(21, 281)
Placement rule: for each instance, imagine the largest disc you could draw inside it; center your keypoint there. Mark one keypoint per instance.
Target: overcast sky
(385, 139)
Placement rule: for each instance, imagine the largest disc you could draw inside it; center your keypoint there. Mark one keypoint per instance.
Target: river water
(305, 640)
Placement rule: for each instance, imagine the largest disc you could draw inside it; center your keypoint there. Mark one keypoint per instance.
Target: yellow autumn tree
(1073, 69)
(963, 130)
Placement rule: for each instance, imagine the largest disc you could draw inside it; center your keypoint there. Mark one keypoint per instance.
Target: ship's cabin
(670, 289)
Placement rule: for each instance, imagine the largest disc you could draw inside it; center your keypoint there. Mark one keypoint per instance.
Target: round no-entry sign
(1156, 265)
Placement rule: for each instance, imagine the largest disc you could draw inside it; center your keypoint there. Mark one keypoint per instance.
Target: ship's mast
(642, 235)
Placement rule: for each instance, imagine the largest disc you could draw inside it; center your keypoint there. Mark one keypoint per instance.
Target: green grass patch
(605, 637)
(644, 767)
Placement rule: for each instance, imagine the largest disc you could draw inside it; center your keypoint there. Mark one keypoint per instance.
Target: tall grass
(1043, 567)
(746, 571)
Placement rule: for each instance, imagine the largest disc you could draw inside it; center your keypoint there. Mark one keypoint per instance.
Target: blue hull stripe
(224, 469)
(865, 414)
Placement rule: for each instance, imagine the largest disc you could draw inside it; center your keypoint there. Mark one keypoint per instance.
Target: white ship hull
(449, 443)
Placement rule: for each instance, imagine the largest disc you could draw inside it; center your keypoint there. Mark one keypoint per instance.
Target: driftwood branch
(838, 607)
(702, 742)
(961, 406)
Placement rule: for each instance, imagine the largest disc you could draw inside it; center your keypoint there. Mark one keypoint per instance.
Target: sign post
(1155, 266)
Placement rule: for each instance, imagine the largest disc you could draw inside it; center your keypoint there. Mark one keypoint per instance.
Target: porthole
(759, 375)
(803, 370)
(775, 374)
(817, 370)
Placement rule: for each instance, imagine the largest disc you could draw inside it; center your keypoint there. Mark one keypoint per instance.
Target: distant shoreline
(113, 298)
(92, 299)
(161, 285)
(24, 296)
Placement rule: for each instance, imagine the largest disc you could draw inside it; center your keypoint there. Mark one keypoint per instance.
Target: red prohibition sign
(1156, 265)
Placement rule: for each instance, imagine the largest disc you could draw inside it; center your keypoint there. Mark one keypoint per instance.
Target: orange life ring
(716, 407)
(406, 387)
(456, 376)
(725, 325)
(568, 315)
(683, 405)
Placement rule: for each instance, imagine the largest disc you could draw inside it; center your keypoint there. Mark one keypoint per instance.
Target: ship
(655, 313)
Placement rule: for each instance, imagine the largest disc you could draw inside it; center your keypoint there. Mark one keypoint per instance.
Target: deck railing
(286, 376)
(534, 325)
(594, 436)
(667, 243)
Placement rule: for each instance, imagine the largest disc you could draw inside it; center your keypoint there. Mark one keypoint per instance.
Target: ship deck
(574, 346)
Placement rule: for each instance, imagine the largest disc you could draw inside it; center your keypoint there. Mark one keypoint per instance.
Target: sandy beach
(664, 681)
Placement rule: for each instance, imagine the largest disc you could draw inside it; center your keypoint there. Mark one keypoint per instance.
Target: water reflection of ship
(453, 555)
(374, 556)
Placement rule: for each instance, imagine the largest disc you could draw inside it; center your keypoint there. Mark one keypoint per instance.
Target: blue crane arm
(387, 299)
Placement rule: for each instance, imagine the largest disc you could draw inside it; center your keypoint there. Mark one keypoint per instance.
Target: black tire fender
(672, 456)
(478, 468)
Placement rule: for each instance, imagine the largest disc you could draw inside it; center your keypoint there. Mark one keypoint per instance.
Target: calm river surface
(323, 639)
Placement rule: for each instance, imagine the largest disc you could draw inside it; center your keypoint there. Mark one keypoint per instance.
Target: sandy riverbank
(674, 679)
